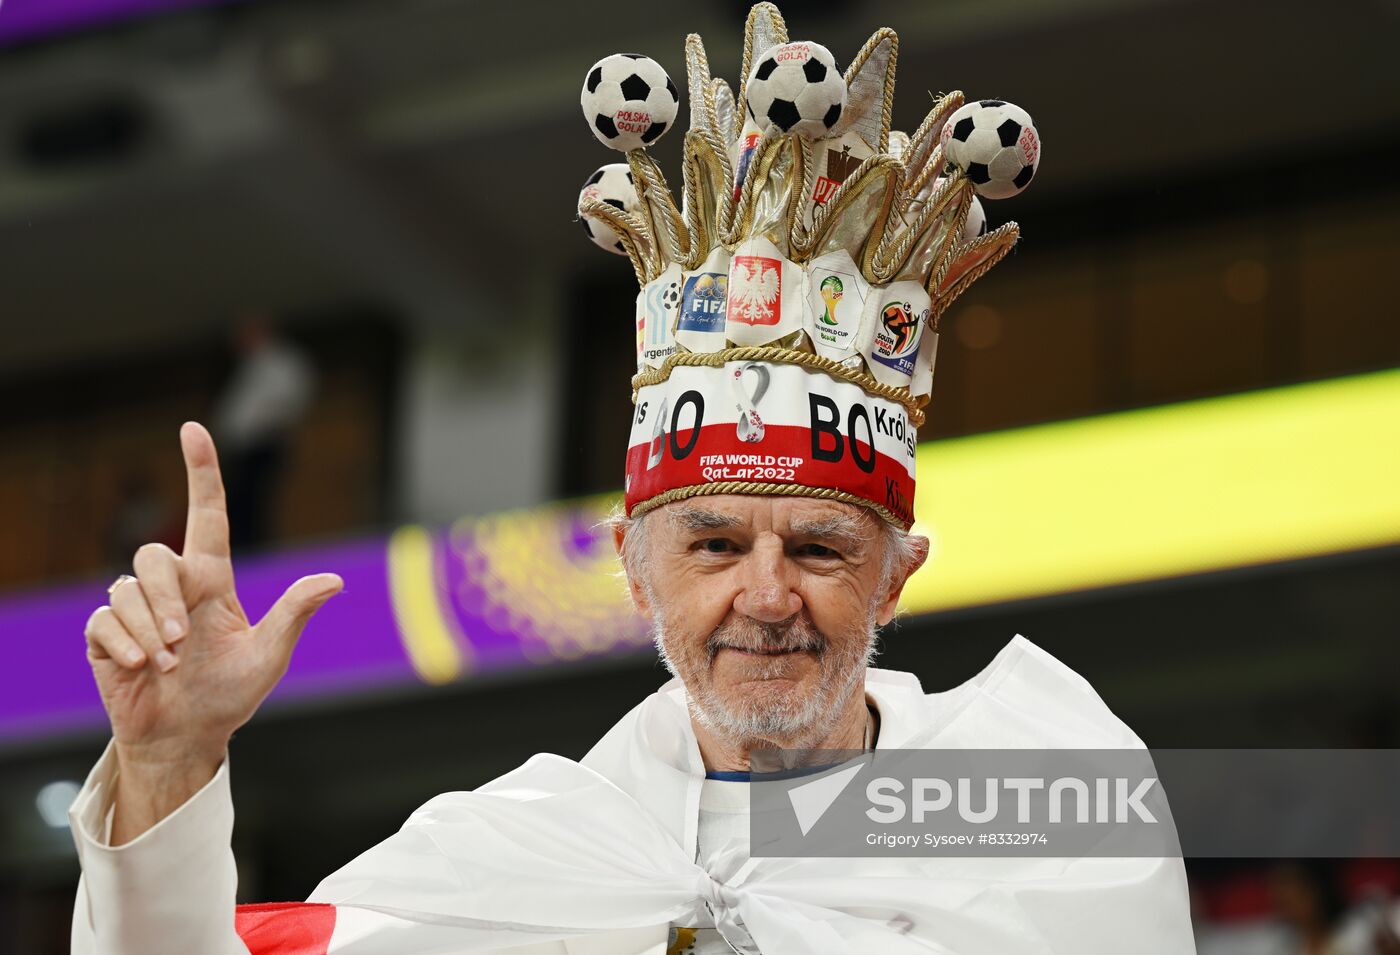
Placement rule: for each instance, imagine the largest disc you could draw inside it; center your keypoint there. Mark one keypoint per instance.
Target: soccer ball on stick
(613, 185)
(629, 101)
(797, 87)
(996, 146)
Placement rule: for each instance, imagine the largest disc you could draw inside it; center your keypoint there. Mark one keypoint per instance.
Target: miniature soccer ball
(996, 146)
(613, 185)
(629, 101)
(976, 224)
(798, 87)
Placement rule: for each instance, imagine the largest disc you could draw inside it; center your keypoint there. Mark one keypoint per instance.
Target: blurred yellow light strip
(427, 633)
(1224, 482)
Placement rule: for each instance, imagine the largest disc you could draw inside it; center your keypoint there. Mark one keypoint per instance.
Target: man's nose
(767, 593)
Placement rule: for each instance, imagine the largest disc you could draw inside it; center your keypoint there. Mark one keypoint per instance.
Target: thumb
(286, 619)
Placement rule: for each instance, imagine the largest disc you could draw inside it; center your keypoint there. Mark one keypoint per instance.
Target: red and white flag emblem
(755, 290)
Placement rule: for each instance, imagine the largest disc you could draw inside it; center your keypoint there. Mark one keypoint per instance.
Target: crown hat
(788, 316)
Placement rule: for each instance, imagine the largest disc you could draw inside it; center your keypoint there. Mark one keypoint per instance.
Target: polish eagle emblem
(755, 288)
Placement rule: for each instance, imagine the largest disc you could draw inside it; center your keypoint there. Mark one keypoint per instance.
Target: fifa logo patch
(897, 336)
(703, 303)
(657, 305)
(662, 299)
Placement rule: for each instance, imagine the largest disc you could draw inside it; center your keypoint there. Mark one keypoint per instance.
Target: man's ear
(639, 594)
(901, 577)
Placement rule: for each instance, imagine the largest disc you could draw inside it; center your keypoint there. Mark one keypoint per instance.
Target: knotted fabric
(559, 849)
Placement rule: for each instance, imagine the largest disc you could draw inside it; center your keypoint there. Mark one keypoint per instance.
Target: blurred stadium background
(1164, 440)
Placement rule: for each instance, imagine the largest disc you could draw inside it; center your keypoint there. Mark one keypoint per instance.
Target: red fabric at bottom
(286, 928)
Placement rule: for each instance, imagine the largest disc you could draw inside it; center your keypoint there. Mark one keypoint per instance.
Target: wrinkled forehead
(753, 514)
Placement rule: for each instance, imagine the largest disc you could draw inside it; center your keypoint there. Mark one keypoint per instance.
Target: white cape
(559, 849)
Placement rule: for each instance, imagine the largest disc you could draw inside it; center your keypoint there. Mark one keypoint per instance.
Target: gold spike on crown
(788, 317)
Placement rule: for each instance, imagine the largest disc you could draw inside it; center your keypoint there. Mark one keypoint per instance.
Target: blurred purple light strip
(515, 591)
(352, 643)
(31, 19)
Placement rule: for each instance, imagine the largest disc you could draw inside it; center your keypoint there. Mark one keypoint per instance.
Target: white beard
(794, 727)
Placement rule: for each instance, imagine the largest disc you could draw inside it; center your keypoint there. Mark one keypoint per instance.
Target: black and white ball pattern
(995, 144)
(629, 101)
(612, 184)
(798, 87)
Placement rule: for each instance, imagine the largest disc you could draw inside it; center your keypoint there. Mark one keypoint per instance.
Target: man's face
(765, 607)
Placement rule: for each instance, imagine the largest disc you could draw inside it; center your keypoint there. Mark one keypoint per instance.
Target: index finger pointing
(206, 528)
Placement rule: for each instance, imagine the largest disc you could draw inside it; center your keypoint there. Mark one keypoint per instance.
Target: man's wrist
(154, 780)
(172, 753)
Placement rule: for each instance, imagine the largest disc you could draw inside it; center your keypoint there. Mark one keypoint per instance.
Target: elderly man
(769, 504)
(764, 607)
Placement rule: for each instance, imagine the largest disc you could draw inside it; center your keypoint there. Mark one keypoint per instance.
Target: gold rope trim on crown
(655, 198)
(871, 385)
(924, 162)
(765, 17)
(759, 487)
(999, 241)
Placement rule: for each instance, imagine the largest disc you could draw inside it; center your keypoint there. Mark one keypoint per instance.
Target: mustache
(795, 633)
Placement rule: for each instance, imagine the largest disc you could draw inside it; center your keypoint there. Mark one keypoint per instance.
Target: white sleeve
(171, 890)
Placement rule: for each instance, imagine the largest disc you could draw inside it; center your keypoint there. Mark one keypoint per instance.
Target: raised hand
(177, 663)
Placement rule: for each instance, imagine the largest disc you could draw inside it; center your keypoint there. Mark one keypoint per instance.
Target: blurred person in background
(1310, 904)
(1309, 901)
(1304, 907)
(255, 419)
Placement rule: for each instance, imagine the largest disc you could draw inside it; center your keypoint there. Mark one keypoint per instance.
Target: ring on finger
(118, 582)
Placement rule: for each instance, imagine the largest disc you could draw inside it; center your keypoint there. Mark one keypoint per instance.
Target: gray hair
(898, 552)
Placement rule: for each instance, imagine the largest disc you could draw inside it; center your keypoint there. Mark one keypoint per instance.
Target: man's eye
(818, 550)
(716, 545)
